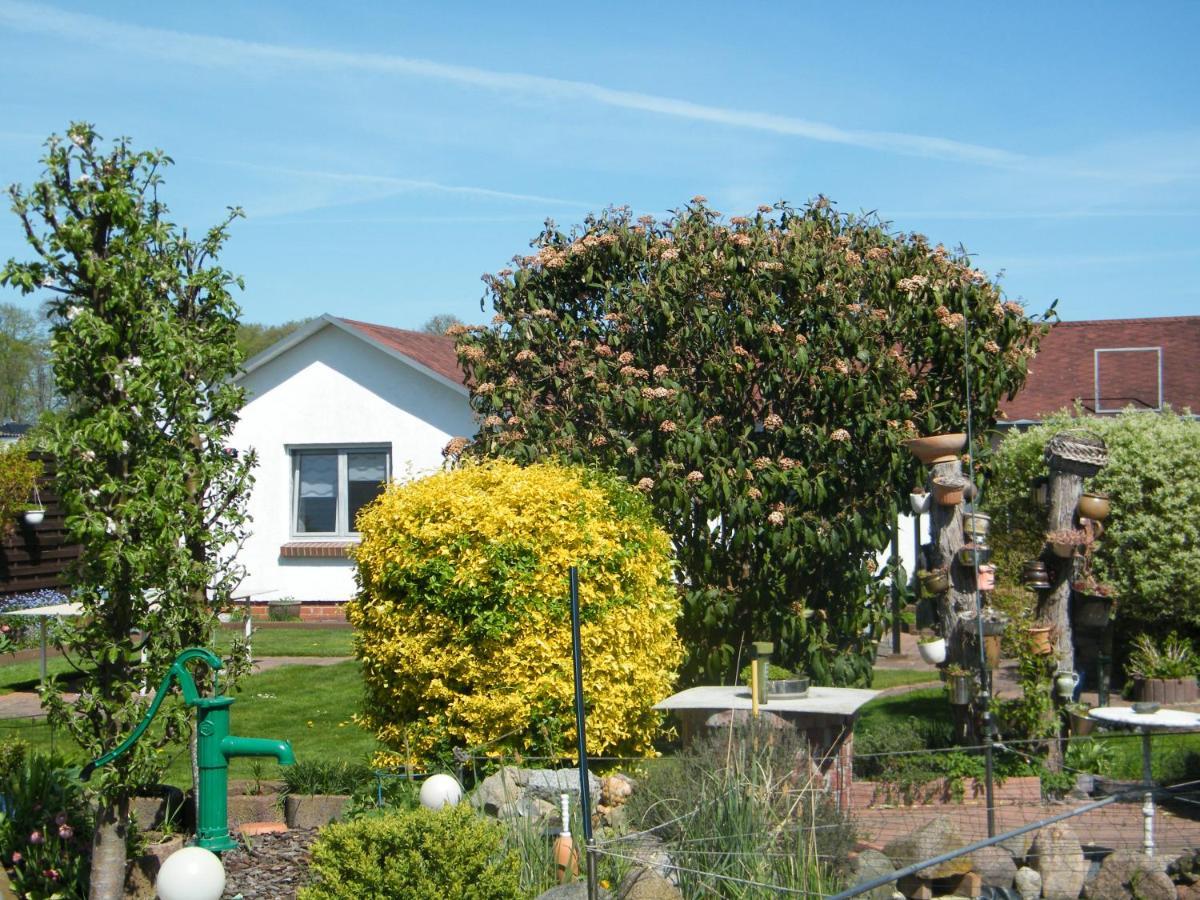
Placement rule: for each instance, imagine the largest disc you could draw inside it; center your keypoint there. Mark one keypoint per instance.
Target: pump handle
(187, 686)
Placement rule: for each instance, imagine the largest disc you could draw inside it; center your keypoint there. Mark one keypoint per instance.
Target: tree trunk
(108, 851)
(1054, 605)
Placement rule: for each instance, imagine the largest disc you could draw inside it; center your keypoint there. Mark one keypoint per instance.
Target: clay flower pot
(949, 491)
(1042, 637)
(1095, 506)
(920, 502)
(935, 582)
(938, 448)
(976, 525)
(934, 651)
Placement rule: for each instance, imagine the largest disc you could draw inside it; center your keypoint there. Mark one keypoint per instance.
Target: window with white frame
(331, 484)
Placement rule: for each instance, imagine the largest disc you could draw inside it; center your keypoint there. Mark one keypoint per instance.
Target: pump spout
(232, 746)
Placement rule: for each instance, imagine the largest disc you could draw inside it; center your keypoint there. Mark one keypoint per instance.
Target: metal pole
(896, 570)
(585, 796)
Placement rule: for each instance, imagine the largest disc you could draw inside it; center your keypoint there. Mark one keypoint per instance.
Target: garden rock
(548, 784)
(1018, 846)
(648, 851)
(313, 810)
(498, 789)
(1127, 873)
(1028, 883)
(575, 891)
(934, 838)
(1058, 857)
(645, 884)
(616, 789)
(995, 866)
(869, 865)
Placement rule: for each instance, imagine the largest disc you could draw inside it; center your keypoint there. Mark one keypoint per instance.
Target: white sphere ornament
(439, 791)
(192, 873)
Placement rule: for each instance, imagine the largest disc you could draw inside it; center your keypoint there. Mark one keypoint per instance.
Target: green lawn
(309, 705)
(886, 678)
(277, 640)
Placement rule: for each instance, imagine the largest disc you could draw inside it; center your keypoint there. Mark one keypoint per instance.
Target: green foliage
(756, 379)
(12, 756)
(1169, 657)
(1150, 550)
(774, 673)
(44, 827)
(1089, 755)
(747, 805)
(326, 777)
(143, 334)
(253, 337)
(1030, 716)
(26, 382)
(417, 854)
(18, 477)
(463, 613)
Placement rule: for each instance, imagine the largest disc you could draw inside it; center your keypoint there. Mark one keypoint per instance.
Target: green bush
(1150, 551)
(18, 476)
(416, 854)
(774, 673)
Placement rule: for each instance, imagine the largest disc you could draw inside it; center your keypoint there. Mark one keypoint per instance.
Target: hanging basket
(1077, 452)
(1042, 638)
(933, 652)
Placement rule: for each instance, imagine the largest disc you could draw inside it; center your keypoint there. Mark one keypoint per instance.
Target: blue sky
(389, 154)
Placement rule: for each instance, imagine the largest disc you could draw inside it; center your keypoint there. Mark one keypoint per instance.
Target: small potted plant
(959, 683)
(976, 526)
(935, 581)
(1064, 541)
(1093, 603)
(34, 513)
(1041, 637)
(932, 650)
(1164, 671)
(975, 553)
(920, 500)
(283, 609)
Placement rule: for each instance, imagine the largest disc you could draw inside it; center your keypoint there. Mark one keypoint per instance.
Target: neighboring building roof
(432, 354)
(1107, 365)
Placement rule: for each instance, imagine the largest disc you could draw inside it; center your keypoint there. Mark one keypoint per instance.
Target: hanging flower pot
(1034, 575)
(970, 554)
(1065, 684)
(938, 448)
(976, 525)
(935, 582)
(986, 579)
(948, 491)
(920, 502)
(1064, 541)
(933, 651)
(1091, 604)
(959, 683)
(1094, 505)
(1042, 639)
(34, 515)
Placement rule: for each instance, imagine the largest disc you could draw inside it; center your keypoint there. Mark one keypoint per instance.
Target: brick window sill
(316, 549)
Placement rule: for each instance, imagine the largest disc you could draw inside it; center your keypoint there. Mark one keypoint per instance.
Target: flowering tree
(144, 355)
(756, 379)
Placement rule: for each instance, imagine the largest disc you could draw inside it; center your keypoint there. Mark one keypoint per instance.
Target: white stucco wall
(332, 389)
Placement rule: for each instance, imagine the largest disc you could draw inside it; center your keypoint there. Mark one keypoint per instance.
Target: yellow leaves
(501, 537)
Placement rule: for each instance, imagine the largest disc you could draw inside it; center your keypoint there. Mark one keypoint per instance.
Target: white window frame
(1096, 374)
(341, 517)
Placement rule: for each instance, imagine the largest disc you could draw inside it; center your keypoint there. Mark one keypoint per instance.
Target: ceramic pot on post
(920, 503)
(938, 448)
(949, 491)
(1094, 505)
(960, 689)
(1042, 638)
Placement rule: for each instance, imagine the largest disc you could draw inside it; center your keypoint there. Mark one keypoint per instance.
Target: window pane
(366, 474)
(316, 505)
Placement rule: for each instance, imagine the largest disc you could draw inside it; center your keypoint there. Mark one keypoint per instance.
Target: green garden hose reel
(215, 746)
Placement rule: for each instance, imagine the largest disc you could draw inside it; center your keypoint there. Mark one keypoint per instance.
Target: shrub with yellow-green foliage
(463, 614)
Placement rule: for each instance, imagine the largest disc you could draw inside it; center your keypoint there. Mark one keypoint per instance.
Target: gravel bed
(274, 866)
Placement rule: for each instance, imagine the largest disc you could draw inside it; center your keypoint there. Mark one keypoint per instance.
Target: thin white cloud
(219, 52)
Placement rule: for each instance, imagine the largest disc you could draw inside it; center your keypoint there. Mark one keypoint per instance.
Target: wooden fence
(35, 557)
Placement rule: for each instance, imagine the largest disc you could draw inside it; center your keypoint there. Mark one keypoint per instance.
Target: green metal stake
(215, 746)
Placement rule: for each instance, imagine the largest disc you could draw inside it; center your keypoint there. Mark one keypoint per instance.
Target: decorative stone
(869, 865)
(616, 789)
(498, 789)
(1028, 883)
(995, 866)
(1058, 857)
(1127, 873)
(934, 838)
(549, 784)
(313, 810)
(644, 884)
(575, 891)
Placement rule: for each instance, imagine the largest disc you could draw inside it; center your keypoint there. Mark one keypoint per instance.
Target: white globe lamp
(192, 873)
(439, 791)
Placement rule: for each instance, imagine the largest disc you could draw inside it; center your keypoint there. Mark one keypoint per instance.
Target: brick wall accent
(1063, 371)
(316, 549)
(330, 611)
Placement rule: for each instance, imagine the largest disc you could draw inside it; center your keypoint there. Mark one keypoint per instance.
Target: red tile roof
(434, 351)
(1065, 369)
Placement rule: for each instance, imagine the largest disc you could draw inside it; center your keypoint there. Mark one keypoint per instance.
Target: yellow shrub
(463, 615)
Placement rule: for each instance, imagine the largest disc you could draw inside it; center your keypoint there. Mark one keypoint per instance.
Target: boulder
(498, 789)
(313, 810)
(649, 852)
(1028, 883)
(616, 789)
(549, 784)
(1018, 846)
(645, 884)
(869, 865)
(576, 890)
(1127, 873)
(934, 838)
(995, 866)
(1058, 857)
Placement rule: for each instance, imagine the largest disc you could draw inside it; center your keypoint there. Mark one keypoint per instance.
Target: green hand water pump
(215, 746)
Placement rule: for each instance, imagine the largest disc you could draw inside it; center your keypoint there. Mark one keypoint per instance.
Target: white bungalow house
(334, 411)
